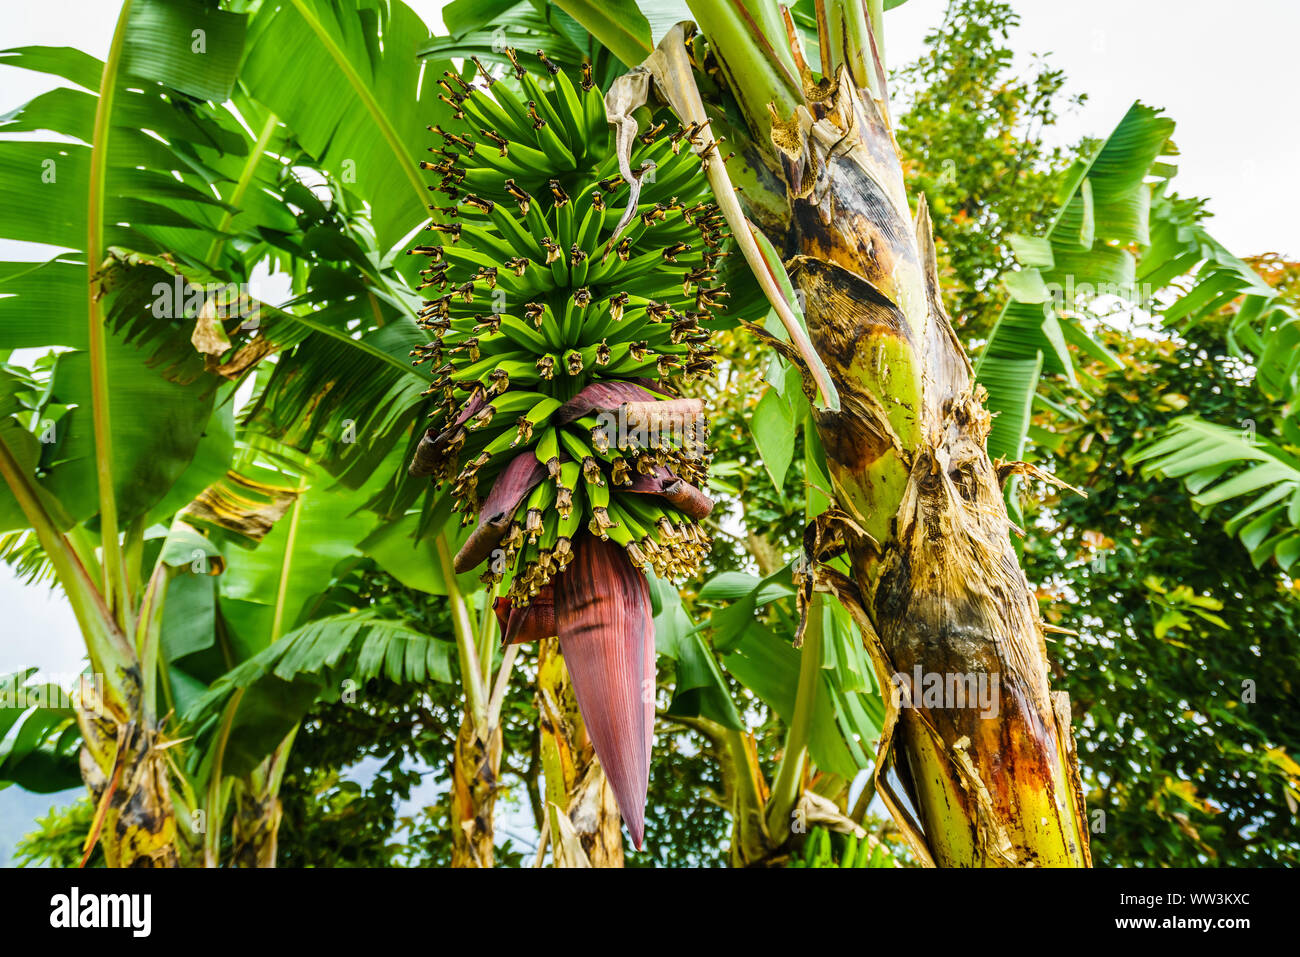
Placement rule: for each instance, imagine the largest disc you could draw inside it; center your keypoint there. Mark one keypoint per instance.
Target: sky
(1222, 72)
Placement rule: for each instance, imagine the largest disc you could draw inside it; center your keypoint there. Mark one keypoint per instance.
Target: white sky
(1224, 73)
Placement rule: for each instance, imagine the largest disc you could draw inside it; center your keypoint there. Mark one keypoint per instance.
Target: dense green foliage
(1183, 674)
(59, 837)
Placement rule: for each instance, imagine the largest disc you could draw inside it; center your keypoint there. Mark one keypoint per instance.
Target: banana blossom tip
(599, 607)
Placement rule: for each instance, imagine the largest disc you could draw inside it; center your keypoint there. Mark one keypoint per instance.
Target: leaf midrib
(366, 96)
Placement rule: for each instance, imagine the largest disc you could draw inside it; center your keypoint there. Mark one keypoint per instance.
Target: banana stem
(794, 760)
(215, 804)
(148, 638)
(110, 653)
(471, 671)
(115, 587)
(876, 13)
(759, 71)
(237, 197)
(486, 631)
(789, 778)
(503, 679)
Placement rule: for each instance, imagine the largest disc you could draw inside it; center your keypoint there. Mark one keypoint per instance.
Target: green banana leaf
(1104, 213)
(360, 110)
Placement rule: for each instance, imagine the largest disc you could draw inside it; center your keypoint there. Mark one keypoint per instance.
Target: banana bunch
(843, 851)
(563, 321)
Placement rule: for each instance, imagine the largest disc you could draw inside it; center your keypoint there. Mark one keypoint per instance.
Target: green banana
(540, 297)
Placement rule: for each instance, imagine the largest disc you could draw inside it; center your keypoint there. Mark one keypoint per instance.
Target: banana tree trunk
(256, 823)
(255, 829)
(988, 745)
(582, 812)
(476, 765)
(988, 756)
(126, 774)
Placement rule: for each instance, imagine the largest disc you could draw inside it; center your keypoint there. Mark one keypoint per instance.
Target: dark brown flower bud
(520, 72)
(501, 143)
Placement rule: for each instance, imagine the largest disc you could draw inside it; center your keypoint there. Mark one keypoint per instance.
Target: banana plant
(918, 508)
(818, 163)
(100, 446)
(139, 408)
(312, 401)
(1096, 245)
(357, 111)
(342, 382)
(1120, 232)
(97, 445)
(341, 373)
